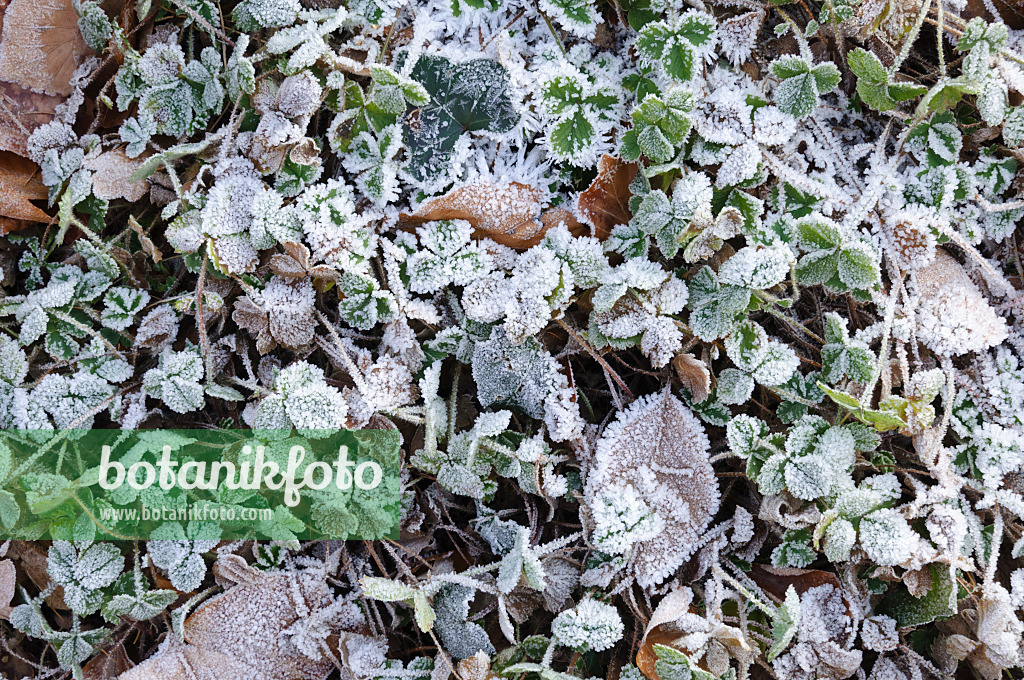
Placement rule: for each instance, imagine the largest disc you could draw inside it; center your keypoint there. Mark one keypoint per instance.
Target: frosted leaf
(757, 266)
(158, 328)
(734, 386)
(886, 537)
(772, 126)
(643, 314)
(289, 306)
(249, 633)
(953, 316)
(83, 572)
(858, 265)
(738, 35)
(878, 633)
(364, 304)
(302, 399)
(840, 537)
(658, 447)
(521, 375)
(576, 16)
(13, 363)
(911, 241)
(726, 117)
(175, 380)
(299, 95)
(179, 551)
(121, 306)
(69, 399)
(741, 165)
(622, 519)
(589, 626)
(335, 233)
(460, 637)
(484, 299)
(372, 158)
(447, 257)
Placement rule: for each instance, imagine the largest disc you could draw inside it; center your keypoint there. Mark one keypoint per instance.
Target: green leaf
(797, 95)
(471, 96)
(866, 66)
(911, 611)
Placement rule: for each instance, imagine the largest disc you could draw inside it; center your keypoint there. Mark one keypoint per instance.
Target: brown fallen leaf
(605, 203)
(19, 185)
(8, 581)
(31, 558)
(507, 213)
(108, 664)
(241, 635)
(21, 112)
(776, 580)
(41, 45)
(694, 375)
(111, 170)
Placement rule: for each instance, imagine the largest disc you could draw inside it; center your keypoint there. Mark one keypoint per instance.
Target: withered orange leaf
(506, 213)
(605, 203)
(41, 45)
(19, 185)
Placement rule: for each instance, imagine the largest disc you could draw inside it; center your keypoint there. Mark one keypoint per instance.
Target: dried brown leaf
(694, 375)
(8, 580)
(108, 664)
(605, 203)
(21, 112)
(507, 213)
(41, 45)
(240, 635)
(19, 185)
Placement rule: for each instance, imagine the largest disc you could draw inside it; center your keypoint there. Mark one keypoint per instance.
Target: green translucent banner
(199, 484)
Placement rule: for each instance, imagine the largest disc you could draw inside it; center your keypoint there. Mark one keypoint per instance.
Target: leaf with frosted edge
(734, 386)
(857, 266)
(785, 623)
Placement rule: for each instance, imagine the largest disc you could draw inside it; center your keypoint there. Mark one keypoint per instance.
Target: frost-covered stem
(198, 18)
(597, 357)
(357, 376)
(558, 40)
(805, 49)
(802, 183)
(97, 522)
(408, 415)
(723, 456)
(453, 402)
(993, 552)
(496, 447)
(793, 323)
(204, 340)
(766, 607)
(909, 42)
(939, 37)
(790, 396)
(883, 350)
(997, 207)
(991, 274)
(549, 653)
